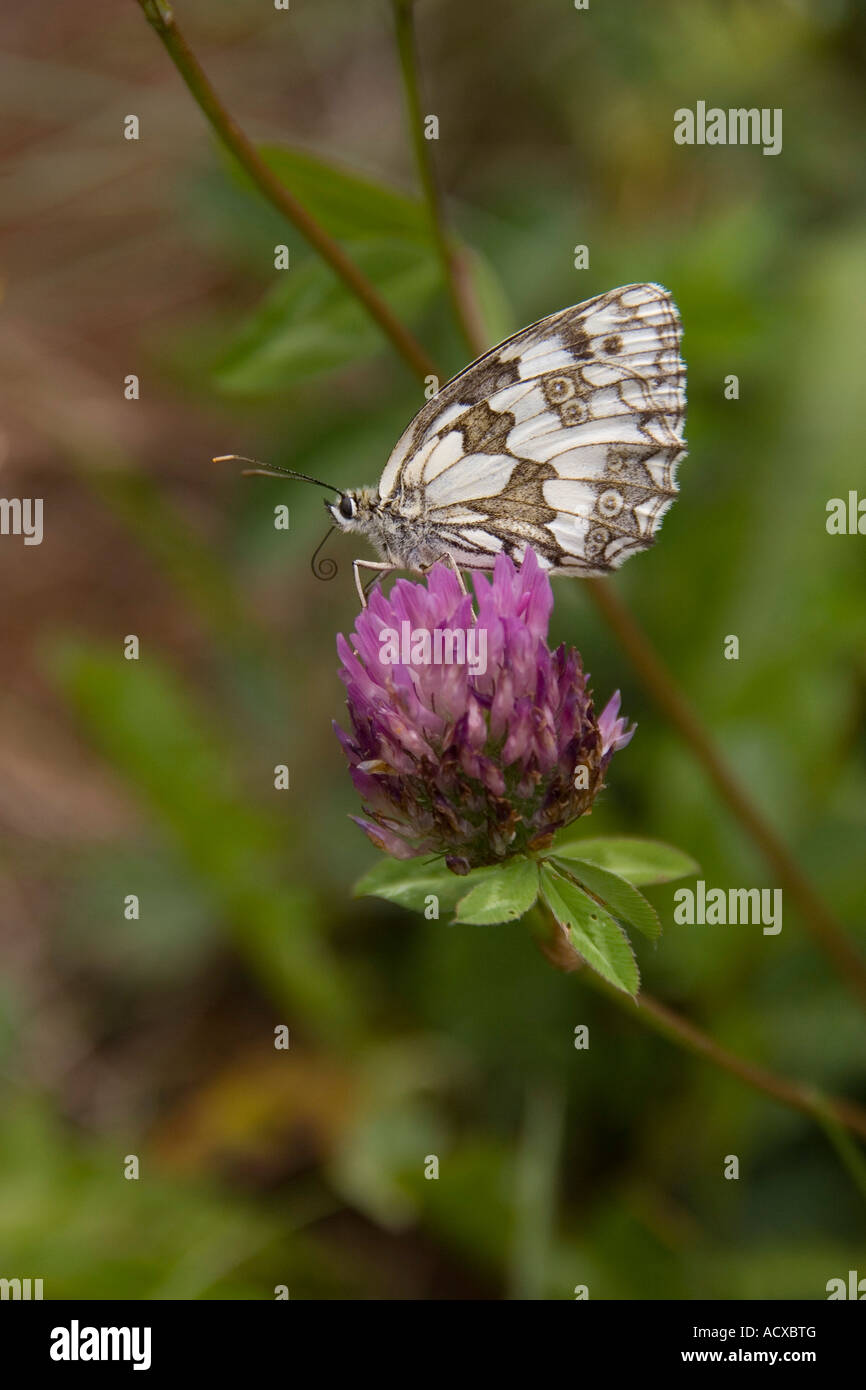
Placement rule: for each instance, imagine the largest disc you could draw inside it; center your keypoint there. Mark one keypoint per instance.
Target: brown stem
(819, 920)
(553, 942)
(792, 1093)
(161, 17)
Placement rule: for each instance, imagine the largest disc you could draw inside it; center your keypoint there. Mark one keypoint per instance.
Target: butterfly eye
(347, 507)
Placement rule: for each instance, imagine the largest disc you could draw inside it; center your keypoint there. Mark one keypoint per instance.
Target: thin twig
(161, 16)
(829, 933)
(819, 920)
(458, 284)
(661, 1019)
(803, 1098)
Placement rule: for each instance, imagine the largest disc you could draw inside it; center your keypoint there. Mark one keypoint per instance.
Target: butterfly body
(565, 438)
(398, 527)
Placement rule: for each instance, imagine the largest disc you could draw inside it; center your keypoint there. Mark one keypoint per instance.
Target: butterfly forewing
(565, 437)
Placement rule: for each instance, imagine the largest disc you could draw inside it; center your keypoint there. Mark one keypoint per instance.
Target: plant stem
(803, 1098)
(819, 920)
(678, 1030)
(829, 933)
(160, 16)
(466, 311)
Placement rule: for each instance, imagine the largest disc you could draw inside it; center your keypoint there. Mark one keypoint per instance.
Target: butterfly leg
(382, 568)
(446, 559)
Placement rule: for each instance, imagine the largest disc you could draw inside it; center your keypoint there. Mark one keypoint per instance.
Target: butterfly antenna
(325, 568)
(272, 470)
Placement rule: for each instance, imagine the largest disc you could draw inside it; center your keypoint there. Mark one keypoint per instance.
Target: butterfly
(565, 437)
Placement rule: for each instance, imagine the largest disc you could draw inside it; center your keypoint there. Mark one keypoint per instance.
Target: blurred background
(155, 1037)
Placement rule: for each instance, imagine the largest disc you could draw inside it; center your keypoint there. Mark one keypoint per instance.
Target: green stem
(657, 1016)
(160, 16)
(458, 283)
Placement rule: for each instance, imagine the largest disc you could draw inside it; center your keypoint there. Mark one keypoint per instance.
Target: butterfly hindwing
(565, 437)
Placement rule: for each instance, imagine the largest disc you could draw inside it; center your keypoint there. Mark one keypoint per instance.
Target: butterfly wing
(565, 437)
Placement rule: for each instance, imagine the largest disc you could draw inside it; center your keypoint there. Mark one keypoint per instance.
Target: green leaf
(350, 205)
(309, 322)
(592, 931)
(506, 894)
(625, 903)
(409, 881)
(637, 861)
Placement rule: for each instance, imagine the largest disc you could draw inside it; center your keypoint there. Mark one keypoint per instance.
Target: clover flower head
(470, 738)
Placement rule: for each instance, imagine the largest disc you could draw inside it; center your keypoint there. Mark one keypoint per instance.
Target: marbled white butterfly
(565, 437)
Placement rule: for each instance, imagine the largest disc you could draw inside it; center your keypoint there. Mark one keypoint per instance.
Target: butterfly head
(353, 509)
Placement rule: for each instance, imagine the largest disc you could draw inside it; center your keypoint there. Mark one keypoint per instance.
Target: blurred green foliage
(409, 1038)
